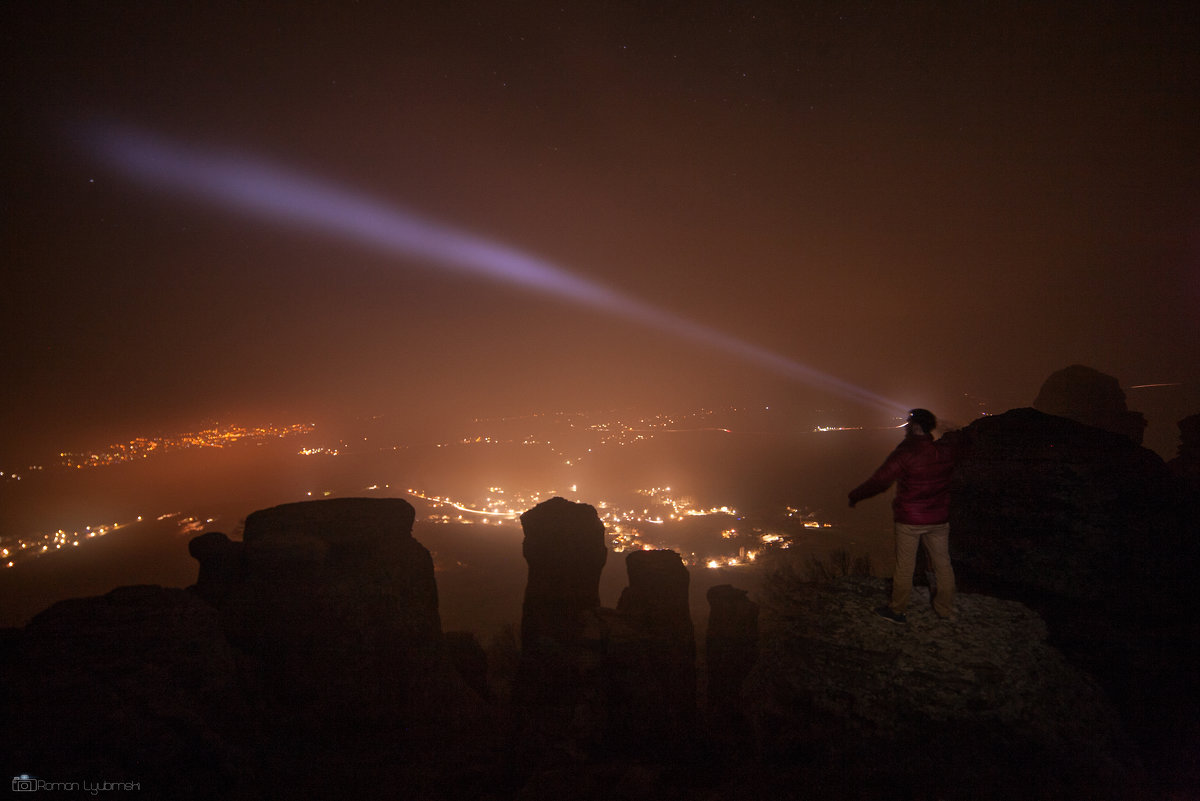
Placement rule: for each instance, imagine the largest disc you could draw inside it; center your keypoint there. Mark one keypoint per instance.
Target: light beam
(276, 194)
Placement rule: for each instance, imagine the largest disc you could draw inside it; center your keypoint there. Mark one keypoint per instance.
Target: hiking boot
(887, 614)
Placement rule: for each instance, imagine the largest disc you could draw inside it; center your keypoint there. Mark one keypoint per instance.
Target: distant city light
(652, 518)
(144, 447)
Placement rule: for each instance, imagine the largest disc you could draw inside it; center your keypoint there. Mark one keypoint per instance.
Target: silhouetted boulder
(333, 607)
(306, 662)
(1185, 467)
(560, 633)
(650, 661)
(137, 685)
(221, 565)
(1088, 528)
(565, 550)
(337, 603)
(1051, 506)
(1189, 437)
(656, 601)
(731, 650)
(657, 595)
(350, 564)
(594, 679)
(1090, 397)
(981, 707)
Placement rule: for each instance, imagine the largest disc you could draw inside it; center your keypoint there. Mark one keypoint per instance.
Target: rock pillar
(731, 648)
(651, 658)
(564, 547)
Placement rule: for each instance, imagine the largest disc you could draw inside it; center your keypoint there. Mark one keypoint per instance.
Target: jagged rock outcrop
(979, 707)
(650, 661)
(138, 685)
(1051, 506)
(731, 650)
(1090, 397)
(1089, 529)
(348, 562)
(337, 604)
(560, 634)
(601, 680)
(657, 596)
(308, 662)
(564, 548)
(1185, 467)
(222, 564)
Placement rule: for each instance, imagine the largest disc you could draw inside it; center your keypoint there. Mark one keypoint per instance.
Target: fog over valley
(721, 486)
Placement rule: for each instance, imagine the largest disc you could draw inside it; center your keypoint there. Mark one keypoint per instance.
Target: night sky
(921, 199)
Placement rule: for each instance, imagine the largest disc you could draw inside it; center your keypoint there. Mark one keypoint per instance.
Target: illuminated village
(145, 447)
(650, 518)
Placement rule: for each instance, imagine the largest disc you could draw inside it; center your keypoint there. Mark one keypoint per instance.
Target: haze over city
(919, 201)
(468, 398)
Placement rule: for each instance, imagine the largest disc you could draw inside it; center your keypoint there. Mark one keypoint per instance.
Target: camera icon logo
(23, 784)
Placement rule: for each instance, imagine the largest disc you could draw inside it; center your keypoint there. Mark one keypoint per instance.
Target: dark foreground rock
(308, 662)
(337, 604)
(139, 685)
(597, 680)
(974, 709)
(731, 651)
(1185, 467)
(565, 550)
(663, 666)
(1093, 532)
(1049, 505)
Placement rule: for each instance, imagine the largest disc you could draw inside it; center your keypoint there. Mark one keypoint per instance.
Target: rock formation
(933, 708)
(564, 547)
(560, 633)
(1185, 467)
(221, 565)
(731, 650)
(656, 602)
(137, 685)
(1090, 397)
(1051, 506)
(650, 660)
(600, 679)
(1089, 529)
(338, 604)
(308, 661)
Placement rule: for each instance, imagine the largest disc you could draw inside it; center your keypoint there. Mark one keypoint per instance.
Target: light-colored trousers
(937, 543)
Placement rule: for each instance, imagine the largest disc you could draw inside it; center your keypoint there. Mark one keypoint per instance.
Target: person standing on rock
(921, 469)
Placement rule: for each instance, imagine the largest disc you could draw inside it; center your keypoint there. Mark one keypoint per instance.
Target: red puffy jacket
(921, 470)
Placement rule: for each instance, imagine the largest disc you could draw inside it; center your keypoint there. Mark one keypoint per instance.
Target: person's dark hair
(924, 418)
